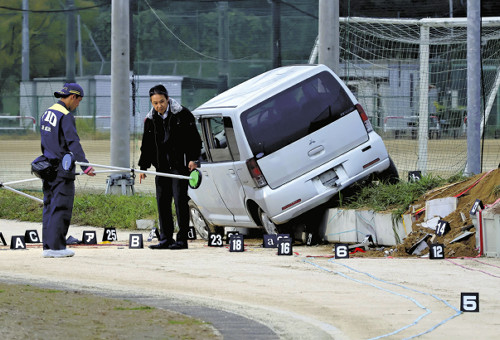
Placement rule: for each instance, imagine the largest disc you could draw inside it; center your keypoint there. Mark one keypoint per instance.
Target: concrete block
(144, 224)
(389, 233)
(339, 225)
(441, 207)
(352, 226)
(491, 230)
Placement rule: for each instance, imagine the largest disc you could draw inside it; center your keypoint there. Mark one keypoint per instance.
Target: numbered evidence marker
(312, 239)
(17, 242)
(270, 241)
(229, 234)
(2, 239)
(285, 246)
(191, 233)
(89, 237)
(135, 241)
(436, 251)
(469, 302)
(477, 206)
(236, 243)
(153, 233)
(414, 176)
(442, 227)
(215, 240)
(31, 236)
(109, 234)
(341, 251)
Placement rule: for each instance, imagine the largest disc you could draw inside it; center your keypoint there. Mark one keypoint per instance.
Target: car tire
(267, 224)
(200, 224)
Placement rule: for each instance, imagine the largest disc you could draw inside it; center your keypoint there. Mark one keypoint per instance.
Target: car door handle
(231, 171)
(205, 174)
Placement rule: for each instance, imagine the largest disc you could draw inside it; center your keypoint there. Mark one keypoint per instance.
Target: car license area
(328, 178)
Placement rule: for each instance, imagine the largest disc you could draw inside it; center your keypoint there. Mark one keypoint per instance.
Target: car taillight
(364, 118)
(255, 172)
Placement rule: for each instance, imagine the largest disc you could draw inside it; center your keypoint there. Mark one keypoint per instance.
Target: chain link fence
(200, 48)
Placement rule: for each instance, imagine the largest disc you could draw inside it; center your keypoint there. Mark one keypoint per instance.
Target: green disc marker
(195, 180)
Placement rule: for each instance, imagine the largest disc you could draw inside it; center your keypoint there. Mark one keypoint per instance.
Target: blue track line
(427, 311)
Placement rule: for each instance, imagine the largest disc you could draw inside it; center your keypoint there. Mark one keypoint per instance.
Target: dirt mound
(484, 186)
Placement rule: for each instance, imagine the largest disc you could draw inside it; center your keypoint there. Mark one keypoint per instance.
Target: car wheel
(200, 224)
(267, 224)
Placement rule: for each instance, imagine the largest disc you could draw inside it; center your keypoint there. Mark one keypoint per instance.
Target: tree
(47, 30)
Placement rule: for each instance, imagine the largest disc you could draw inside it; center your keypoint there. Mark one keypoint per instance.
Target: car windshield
(295, 113)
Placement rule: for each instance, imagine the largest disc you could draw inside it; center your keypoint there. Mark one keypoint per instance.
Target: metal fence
(200, 48)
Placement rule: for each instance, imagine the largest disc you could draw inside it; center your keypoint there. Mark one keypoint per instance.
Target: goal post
(411, 77)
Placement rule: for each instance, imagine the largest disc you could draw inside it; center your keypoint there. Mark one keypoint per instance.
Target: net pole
(491, 100)
(473, 89)
(423, 99)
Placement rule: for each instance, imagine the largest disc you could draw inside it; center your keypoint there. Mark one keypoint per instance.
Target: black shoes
(179, 245)
(162, 245)
(170, 245)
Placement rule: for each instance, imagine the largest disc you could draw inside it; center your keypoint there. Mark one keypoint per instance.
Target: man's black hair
(158, 89)
(67, 95)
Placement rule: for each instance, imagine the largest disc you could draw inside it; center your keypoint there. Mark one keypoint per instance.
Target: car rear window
(295, 113)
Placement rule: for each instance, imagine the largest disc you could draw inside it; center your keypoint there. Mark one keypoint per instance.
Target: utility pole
(276, 34)
(120, 91)
(25, 68)
(70, 41)
(223, 31)
(473, 165)
(329, 34)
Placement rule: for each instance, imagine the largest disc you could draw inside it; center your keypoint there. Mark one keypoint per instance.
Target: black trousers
(58, 197)
(167, 189)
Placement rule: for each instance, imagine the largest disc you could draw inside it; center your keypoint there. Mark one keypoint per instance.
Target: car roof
(263, 86)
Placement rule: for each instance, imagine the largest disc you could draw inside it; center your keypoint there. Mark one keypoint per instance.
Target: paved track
(305, 296)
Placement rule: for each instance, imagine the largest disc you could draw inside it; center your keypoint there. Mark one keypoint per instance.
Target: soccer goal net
(411, 78)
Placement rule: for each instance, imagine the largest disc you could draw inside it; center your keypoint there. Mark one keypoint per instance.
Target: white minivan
(280, 144)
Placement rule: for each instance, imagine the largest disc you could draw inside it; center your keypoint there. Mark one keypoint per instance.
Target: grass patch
(88, 209)
(29, 312)
(122, 212)
(394, 197)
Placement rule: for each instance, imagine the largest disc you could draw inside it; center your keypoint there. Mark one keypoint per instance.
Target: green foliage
(88, 209)
(47, 41)
(459, 177)
(17, 207)
(86, 129)
(122, 211)
(113, 211)
(396, 197)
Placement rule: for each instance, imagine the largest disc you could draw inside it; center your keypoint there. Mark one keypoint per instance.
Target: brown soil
(484, 186)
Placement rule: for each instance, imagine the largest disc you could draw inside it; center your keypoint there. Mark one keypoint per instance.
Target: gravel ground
(308, 295)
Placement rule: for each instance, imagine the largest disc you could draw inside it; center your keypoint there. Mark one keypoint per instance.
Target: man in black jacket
(172, 144)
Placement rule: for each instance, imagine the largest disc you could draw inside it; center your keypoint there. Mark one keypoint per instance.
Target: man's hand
(192, 165)
(141, 177)
(89, 171)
